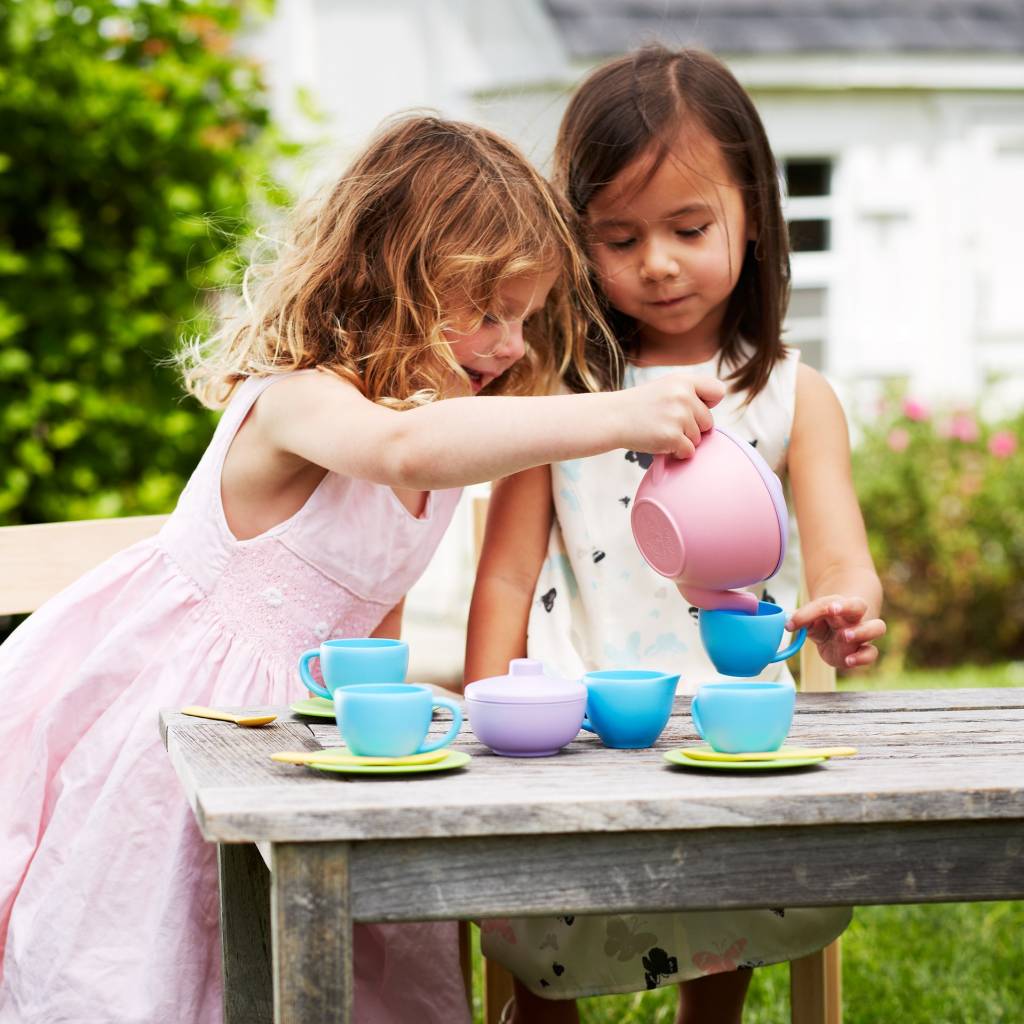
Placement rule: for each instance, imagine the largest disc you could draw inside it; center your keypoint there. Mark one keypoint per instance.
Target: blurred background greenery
(136, 146)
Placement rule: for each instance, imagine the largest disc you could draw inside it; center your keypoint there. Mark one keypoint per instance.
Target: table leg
(311, 918)
(245, 934)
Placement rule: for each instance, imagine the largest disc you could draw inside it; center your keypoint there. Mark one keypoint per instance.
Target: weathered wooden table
(931, 810)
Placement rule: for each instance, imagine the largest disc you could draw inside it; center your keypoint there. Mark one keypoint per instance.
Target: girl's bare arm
(842, 615)
(318, 418)
(518, 524)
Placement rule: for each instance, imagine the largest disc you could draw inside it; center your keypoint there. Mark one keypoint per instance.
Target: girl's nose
(512, 347)
(658, 263)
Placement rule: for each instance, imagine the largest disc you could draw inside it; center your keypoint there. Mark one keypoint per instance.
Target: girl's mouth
(668, 303)
(476, 379)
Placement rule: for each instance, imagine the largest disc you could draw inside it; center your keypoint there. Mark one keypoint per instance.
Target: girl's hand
(837, 625)
(670, 414)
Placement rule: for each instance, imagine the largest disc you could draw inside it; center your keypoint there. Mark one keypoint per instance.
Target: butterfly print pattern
(708, 962)
(548, 599)
(657, 965)
(624, 942)
(500, 926)
(642, 459)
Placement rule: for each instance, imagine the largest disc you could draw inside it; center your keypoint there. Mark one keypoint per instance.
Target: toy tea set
(712, 523)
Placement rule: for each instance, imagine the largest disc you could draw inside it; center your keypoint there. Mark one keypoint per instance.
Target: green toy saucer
(455, 759)
(315, 706)
(680, 760)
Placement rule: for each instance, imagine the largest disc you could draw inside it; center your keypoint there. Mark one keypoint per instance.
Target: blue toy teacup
(741, 644)
(360, 660)
(740, 718)
(628, 708)
(390, 719)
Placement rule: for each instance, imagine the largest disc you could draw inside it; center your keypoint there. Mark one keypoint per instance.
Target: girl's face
(488, 350)
(669, 252)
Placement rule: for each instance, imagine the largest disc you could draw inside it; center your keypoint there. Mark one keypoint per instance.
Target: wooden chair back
(38, 561)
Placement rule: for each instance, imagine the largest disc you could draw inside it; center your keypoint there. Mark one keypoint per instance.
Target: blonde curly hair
(432, 209)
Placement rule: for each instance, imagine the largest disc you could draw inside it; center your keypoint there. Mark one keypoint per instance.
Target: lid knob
(525, 667)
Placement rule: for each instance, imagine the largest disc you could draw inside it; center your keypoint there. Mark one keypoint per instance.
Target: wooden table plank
(703, 870)
(312, 933)
(245, 934)
(940, 764)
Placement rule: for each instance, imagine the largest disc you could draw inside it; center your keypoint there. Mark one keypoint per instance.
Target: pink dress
(108, 893)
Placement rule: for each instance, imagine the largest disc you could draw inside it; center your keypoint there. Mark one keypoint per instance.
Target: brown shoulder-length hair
(645, 103)
(433, 214)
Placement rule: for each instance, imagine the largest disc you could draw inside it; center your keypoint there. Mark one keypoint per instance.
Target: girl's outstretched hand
(837, 625)
(669, 415)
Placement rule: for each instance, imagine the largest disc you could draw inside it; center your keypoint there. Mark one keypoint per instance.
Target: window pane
(812, 353)
(808, 177)
(809, 235)
(807, 302)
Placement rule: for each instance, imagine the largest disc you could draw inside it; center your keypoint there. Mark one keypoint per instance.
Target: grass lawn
(928, 964)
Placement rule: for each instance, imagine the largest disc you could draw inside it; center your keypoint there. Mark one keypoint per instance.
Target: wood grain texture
(816, 987)
(40, 560)
(711, 869)
(921, 758)
(312, 934)
(245, 935)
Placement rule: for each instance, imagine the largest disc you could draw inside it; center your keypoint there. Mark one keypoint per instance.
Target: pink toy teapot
(712, 522)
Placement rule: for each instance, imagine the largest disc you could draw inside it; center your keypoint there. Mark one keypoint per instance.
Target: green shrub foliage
(943, 499)
(134, 142)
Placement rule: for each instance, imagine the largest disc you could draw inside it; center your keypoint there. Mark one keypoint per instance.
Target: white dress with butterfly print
(598, 605)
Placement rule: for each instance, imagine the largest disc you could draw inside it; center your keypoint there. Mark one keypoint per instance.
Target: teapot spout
(720, 600)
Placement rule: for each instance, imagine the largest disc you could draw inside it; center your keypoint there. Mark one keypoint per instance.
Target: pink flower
(898, 439)
(915, 409)
(964, 427)
(1002, 444)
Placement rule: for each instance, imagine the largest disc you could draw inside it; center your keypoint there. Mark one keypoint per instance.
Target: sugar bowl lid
(525, 683)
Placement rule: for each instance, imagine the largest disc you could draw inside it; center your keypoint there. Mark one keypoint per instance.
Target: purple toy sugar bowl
(526, 713)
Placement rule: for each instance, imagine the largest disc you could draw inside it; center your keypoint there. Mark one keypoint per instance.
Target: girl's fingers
(864, 655)
(705, 421)
(864, 633)
(684, 448)
(814, 612)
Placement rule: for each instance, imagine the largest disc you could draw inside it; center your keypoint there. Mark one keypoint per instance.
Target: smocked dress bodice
(334, 568)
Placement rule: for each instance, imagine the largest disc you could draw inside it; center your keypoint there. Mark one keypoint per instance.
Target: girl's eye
(490, 318)
(693, 232)
(620, 243)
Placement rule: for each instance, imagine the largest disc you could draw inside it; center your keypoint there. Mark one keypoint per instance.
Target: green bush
(943, 499)
(135, 141)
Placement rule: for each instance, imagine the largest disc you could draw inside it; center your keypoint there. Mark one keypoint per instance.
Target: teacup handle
(307, 677)
(798, 642)
(444, 702)
(657, 472)
(695, 715)
(586, 724)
